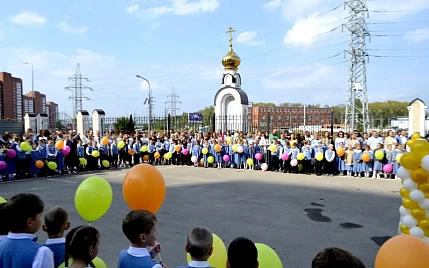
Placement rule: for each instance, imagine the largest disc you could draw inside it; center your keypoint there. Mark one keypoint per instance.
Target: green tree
(264, 104)
(59, 125)
(124, 123)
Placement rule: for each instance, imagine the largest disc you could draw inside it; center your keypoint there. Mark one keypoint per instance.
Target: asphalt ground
(297, 215)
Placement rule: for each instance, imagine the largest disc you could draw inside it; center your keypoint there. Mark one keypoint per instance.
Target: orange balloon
(156, 155)
(419, 175)
(146, 158)
(177, 148)
(403, 251)
(410, 161)
(131, 152)
(39, 164)
(144, 188)
(217, 147)
(404, 193)
(105, 140)
(366, 157)
(340, 152)
(409, 204)
(202, 162)
(59, 145)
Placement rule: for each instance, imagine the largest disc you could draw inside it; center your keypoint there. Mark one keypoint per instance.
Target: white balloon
(403, 173)
(424, 204)
(417, 231)
(404, 211)
(410, 185)
(425, 163)
(417, 196)
(426, 240)
(409, 221)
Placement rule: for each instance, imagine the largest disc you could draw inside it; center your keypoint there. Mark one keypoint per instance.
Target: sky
(291, 50)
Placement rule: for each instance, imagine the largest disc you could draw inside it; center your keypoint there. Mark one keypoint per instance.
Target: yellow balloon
(2, 200)
(105, 163)
(219, 255)
(409, 204)
(300, 156)
(210, 159)
(93, 198)
(424, 187)
(205, 151)
(98, 263)
(410, 161)
(404, 229)
(419, 175)
(143, 149)
(420, 147)
(273, 148)
(121, 144)
(418, 213)
(300, 167)
(267, 257)
(424, 224)
(416, 136)
(95, 153)
(398, 158)
(404, 193)
(234, 147)
(319, 156)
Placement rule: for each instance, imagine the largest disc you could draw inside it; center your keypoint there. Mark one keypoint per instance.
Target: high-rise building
(11, 97)
(39, 101)
(28, 104)
(52, 112)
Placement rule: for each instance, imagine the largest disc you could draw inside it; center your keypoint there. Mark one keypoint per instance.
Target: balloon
(398, 158)
(409, 204)
(340, 152)
(226, 158)
(39, 164)
(403, 173)
(410, 161)
(409, 221)
(366, 157)
(267, 257)
(425, 163)
(420, 147)
(95, 153)
(404, 211)
(194, 159)
(417, 196)
(388, 168)
(416, 136)
(210, 159)
(379, 155)
(417, 231)
(418, 213)
(424, 204)
(99, 263)
(285, 156)
(157, 155)
(240, 149)
(294, 162)
(144, 188)
(185, 152)
(146, 158)
(300, 156)
(234, 148)
(177, 148)
(131, 152)
(93, 198)
(121, 145)
(205, 150)
(65, 150)
(424, 224)
(272, 148)
(105, 163)
(52, 165)
(219, 255)
(201, 162)
(300, 167)
(405, 193)
(24, 146)
(11, 153)
(104, 140)
(59, 145)
(264, 167)
(250, 161)
(319, 156)
(2, 165)
(419, 175)
(217, 147)
(168, 155)
(258, 156)
(143, 149)
(410, 185)
(404, 229)
(2, 200)
(82, 161)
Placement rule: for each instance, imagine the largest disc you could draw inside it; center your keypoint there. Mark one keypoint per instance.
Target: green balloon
(25, 146)
(99, 263)
(267, 257)
(52, 165)
(210, 159)
(121, 145)
(2, 200)
(82, 161)
(93, 198)
(143, 149)
(105, 163)
(95, 153)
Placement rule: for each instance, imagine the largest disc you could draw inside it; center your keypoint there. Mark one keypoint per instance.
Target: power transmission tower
(173, 101)
(77, 87)
(357, 114)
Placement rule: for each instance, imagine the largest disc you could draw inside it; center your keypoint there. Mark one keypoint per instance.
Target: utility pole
(356, 114)
(77, 87)
(173, 101)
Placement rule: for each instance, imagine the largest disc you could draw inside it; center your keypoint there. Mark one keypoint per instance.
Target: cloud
(65, 27)
(292, 9)
(395, 5)
(418, 35)
(28, 18)
(247, 38)
(132, 8)
(183, 7)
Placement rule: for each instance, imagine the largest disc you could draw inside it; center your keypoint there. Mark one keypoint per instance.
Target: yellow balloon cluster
(414, 172)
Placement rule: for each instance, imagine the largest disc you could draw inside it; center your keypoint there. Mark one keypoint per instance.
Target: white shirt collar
(138, 252)
(199, 264)
(21, 236)
(52, 241)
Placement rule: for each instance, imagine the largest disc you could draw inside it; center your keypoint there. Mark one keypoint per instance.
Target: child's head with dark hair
(4, 223)
(82, 245)
(56, 222)
(140, 227)
(25, 213)
(242, 253)
(199, 244)
(336, 258)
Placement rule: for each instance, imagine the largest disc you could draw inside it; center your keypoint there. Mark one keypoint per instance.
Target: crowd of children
(22, 217)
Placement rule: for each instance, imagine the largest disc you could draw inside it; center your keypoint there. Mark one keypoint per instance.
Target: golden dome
(231, 60)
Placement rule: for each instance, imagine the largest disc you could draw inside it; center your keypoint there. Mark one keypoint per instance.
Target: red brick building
(52, 112)
(39, 102)
(11, 102)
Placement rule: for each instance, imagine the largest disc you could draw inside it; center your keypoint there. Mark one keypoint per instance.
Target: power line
(399, 56)
(397, 11)
(398, 22)
(394, 30)
(77, 89)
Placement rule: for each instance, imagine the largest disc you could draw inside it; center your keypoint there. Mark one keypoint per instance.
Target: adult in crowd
(374, 140)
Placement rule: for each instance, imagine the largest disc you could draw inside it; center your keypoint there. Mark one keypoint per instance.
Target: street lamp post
(150, 104)
(32, 84)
